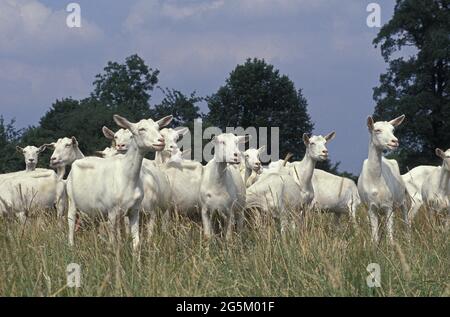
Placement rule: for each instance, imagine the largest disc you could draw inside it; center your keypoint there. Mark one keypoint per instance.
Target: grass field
(320, 260)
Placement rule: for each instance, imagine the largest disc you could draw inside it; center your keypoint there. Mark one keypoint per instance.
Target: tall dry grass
(318, 260)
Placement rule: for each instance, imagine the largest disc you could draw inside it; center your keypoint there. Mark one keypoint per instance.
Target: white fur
(331, 192)
(436, 190)
(31, 156)
(380, 184)
(276, 194)
(283, 189)
(155, 182)
(335, 194)
(413, 181)
(250, 167)
(303, 171)
(222, 189)
(113, 187)
(36, 190)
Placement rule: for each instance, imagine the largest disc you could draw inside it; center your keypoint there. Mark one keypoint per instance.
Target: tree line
(256, 94)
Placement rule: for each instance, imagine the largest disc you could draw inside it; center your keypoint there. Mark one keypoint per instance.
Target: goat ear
(74, 141)
(164, 121)
(108, 133)
(397, 121)
(440, 153)
(50, 145)
(330, 136)
(19, 149)
(305, 139)
(122, 122)
(261, 149)
(370, 123)
(244, 138)
(182, 131)
(42, 148)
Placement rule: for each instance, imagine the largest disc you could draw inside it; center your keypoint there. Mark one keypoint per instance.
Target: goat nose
(53, 158)
(161, 140)
(325, 151)
(236, 154)
(31, 160)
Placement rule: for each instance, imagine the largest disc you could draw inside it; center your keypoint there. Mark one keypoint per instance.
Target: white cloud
(29, 26)
(57, 82)
(147, 11)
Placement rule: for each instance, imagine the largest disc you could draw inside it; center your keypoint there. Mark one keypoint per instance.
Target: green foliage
(83, 119)
(122, 88)
(10, 160)
(182, 107)
(125, 88)
(256, 95)
(418, 85)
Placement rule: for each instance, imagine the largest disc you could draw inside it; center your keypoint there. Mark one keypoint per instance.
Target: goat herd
(123, 184)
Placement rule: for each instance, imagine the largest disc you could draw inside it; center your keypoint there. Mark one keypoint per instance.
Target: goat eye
(142, 130)
(377, 131)
(312, 143)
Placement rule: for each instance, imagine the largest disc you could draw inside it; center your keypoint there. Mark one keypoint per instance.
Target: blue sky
(324, 46)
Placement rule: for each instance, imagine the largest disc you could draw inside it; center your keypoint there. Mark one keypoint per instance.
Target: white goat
(222, 189)
(380, 184)
(107, 152)
(179, 156)
(31, 155)
(35, 190)
(413, 181)
(335, 194)
(171, 137)
(250, 168)
(302, 171)
(29, 189)
(185, 178)
(65, 152)
(155, 183)
(113, 187)
(436, 190)
(170, 182)
(332, 193)
(276, 193)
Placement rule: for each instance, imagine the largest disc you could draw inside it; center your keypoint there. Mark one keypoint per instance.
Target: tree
(182, 107)
(122, 88)
(10, 160)
(125, 88)
(417, 86)
(256, 95)
(68, 117)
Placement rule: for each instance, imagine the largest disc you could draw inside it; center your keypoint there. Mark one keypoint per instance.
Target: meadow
(320, 259)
